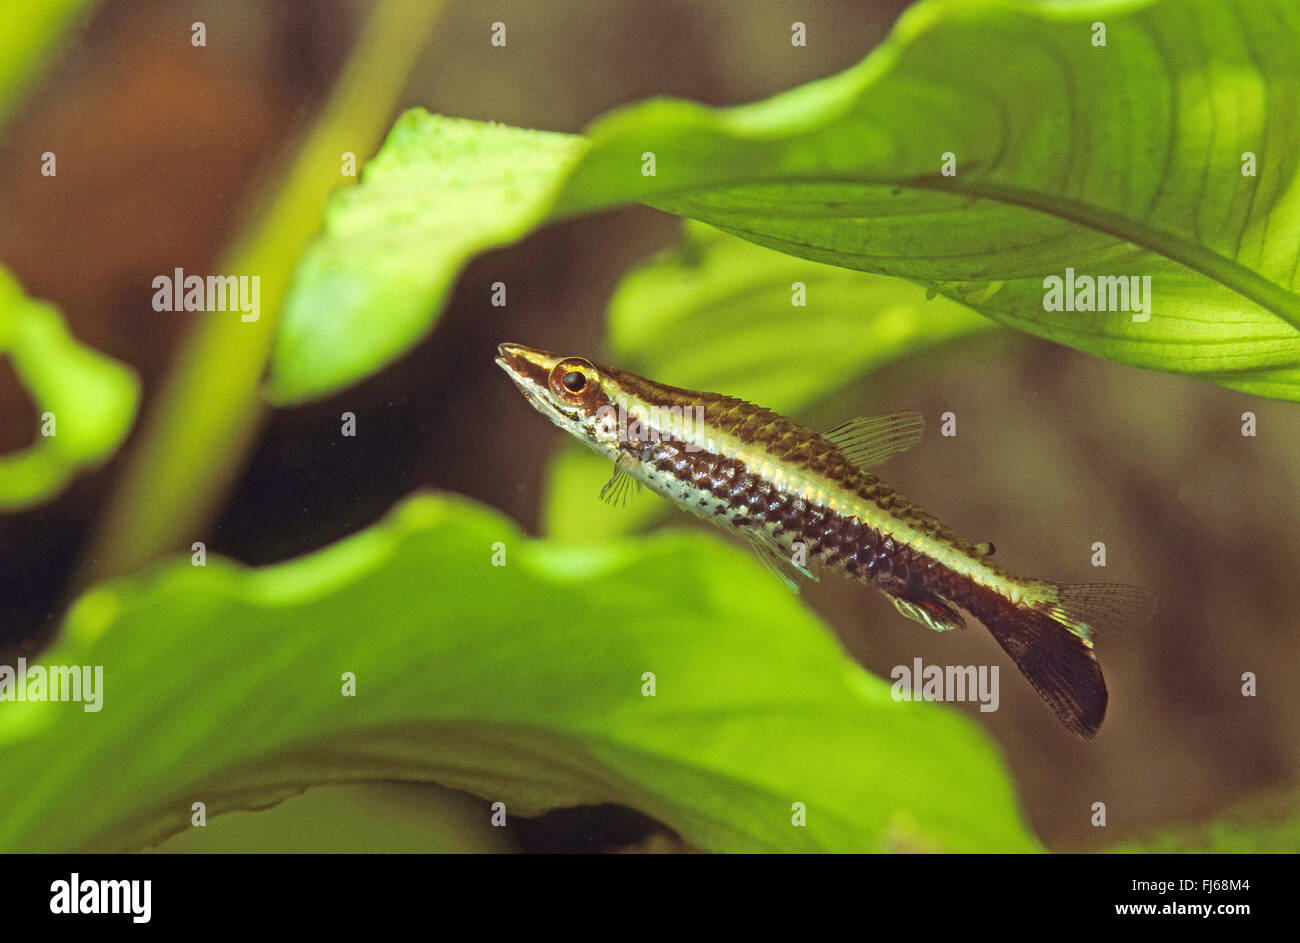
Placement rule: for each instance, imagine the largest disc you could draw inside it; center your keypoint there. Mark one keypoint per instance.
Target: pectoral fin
(619, 487)
(869, 440)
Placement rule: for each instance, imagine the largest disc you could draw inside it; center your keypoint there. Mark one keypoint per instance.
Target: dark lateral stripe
(749, 500)
(794, 446)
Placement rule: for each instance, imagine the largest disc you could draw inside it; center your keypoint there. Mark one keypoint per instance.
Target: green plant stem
(209, 409)
(30, 43)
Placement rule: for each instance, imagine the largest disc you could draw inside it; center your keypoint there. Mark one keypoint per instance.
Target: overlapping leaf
(223, 685)
(1171, 152)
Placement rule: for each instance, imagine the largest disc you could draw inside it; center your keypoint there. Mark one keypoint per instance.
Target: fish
(801, 497)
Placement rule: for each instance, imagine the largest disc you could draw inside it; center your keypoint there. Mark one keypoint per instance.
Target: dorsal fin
(869, 440)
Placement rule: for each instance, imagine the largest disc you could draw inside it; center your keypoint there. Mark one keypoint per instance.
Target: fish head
(575, 394)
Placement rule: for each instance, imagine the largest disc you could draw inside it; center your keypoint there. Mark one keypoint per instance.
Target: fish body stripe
(791, 492)
(766, 477)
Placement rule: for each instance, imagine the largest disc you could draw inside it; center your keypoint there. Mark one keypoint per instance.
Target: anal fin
(933, 612)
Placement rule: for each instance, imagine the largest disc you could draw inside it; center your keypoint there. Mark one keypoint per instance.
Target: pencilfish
(799, 497)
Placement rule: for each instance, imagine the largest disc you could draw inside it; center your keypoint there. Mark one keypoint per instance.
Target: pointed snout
(526, 362)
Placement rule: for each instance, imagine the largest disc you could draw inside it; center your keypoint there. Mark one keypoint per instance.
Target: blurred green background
(167, 153)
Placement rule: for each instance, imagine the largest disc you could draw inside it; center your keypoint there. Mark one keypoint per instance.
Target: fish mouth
(530, 370)
(526, 363)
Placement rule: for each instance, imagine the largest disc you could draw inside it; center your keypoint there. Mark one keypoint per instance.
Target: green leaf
(716, 314)
(92, 398)
(439, 191)
(222, 685)
(1118, 160)
(848, 323)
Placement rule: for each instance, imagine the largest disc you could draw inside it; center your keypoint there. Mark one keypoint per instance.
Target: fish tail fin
(1089, 608)
(1050, 638)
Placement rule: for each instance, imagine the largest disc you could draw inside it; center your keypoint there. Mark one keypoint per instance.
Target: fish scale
(745, 498)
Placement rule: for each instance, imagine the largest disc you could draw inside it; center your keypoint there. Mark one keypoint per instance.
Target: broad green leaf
(438, 191)
(717, 314)
(1127, 159)
(223, 685)
(86, 401)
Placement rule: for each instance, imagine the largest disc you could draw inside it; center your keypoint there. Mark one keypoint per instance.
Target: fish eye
(573, 380)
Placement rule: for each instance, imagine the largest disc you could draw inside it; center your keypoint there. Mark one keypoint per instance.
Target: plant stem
(209, 409)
